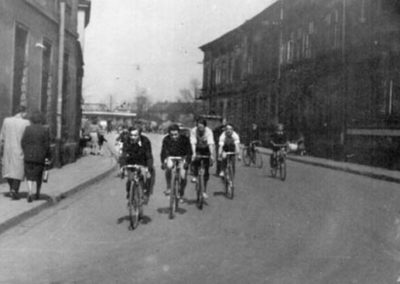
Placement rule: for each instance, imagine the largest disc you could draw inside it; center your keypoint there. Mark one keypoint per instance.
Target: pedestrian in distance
(101, 140)
(12, 154)
(36, 147)
(94, 137)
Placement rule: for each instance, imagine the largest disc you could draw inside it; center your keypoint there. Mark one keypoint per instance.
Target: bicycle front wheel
(133, 206)
(200, 190)
(282, 169)
(229, 182)
(173, 202)
(258, 159)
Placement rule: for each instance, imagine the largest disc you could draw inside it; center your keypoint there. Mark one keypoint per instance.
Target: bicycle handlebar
(175, 158)
(202, 156)
(230, 153)
(279, 145)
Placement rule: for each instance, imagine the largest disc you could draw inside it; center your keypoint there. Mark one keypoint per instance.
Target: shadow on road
(24, 195)
(165, 210)
(144, 220)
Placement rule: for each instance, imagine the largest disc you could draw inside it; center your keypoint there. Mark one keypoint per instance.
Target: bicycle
(200, 184)
(251, 155)
(135, 194)
(279, 163)
(176, 186)
(229, 175)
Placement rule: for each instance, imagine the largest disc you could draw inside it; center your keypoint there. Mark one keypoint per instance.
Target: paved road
(319, 226)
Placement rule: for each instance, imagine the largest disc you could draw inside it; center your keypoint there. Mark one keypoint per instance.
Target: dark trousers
(14, 184)
(196, 166)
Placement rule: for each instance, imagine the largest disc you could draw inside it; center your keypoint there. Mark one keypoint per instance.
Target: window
(20, 74)
(46, 76)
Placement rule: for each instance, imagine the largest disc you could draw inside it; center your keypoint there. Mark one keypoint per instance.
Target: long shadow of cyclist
(144, 220)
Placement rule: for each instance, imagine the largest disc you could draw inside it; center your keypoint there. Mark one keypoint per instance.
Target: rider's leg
(223, 166)
(183, 178)
(127, 189)
(272, 160)
(206, 173)
(195, 167)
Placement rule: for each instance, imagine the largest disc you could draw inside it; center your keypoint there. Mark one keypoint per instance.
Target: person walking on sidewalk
(36, 147)
(13, 156)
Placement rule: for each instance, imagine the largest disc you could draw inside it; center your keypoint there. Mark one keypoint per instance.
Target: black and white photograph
(200, 141)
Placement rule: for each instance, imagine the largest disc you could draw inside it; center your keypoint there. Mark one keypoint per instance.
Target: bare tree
(142, 101)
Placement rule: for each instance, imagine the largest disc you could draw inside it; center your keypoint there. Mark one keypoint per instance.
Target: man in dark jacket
(175, 145)
(138, 152)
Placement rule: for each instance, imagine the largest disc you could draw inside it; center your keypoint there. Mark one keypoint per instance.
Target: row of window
(254, 53)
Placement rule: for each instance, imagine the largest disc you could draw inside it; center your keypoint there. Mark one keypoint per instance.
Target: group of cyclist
(202, 144)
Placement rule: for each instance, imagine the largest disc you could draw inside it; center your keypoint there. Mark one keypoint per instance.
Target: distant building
(327, 69)
(37, 36)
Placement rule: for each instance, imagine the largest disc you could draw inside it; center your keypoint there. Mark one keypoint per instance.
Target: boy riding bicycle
(278, 138)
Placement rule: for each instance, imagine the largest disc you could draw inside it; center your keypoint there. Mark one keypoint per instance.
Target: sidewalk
(62, 182)
(373, 172)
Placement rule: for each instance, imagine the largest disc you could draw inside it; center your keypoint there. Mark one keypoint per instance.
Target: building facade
(327, 69)
(42, 66)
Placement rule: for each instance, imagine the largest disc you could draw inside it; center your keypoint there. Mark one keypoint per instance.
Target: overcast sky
(154, 44)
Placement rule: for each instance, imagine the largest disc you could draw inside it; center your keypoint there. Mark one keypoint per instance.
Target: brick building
(328, 69)
(42, 65)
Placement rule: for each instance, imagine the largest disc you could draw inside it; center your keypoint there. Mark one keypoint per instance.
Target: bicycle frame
(135, 203)
(200, 181)
(229, 174)
(280, 162)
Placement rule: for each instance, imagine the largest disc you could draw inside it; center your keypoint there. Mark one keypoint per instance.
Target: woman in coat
(36, 146)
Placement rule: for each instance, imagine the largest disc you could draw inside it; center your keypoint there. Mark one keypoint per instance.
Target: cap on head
(279, 127)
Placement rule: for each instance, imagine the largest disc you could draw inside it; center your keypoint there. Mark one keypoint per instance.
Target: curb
(347, 169)
(52, 201)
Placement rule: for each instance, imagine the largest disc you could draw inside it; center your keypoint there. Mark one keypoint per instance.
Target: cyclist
(120, 141)
(229, 141)
(217, 133)
(202, 142)
(176, 145)
(138, 152)
(277, 138)
(254, 139)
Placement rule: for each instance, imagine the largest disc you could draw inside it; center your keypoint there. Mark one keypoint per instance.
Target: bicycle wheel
(133, 206)
(200, 190)
(282, 169)
(172, 197)
(229, 182)
(258, 159)
(246, 157)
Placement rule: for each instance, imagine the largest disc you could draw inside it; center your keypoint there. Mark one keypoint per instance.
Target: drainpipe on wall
(60, 75)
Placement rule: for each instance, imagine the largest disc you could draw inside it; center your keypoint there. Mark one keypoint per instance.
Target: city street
(318, 226)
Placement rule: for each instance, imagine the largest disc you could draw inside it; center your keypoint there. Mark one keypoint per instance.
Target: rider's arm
(193, 140)
(211, 143)
(221, 143)
(236, 140)
(163, 153)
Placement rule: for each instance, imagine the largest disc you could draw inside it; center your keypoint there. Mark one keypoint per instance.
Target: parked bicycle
(251, 155)
(229, 174)
(200, 184)
(279, 163)
(135, 194)
(176, 179)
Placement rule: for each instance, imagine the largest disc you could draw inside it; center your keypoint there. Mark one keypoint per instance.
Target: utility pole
(60, 76)
(343, 136)
(280, 56)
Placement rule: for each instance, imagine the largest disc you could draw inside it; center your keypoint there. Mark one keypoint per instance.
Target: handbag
(46, 169)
